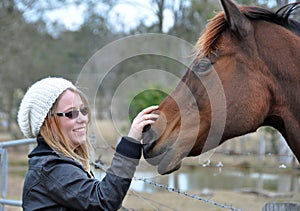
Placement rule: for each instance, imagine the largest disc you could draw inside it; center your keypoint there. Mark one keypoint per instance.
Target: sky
(71, 17)
(123, 16)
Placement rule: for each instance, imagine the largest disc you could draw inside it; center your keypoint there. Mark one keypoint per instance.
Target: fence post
(3, 163)
(281, 206)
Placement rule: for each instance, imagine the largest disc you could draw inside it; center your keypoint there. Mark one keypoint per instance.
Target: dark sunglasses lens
(84, 111)
(72, 114)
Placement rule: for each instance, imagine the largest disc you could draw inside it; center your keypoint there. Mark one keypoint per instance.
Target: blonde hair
(55, 138)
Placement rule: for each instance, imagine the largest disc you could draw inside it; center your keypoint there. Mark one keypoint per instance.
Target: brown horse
(244, 76)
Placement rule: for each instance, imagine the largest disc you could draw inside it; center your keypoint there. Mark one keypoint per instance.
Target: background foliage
(152, 96)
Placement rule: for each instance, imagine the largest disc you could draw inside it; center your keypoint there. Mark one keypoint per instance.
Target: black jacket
(56, 182)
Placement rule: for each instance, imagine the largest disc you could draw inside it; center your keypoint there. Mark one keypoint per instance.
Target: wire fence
(158, 205)
(173, 190)
(183, 193)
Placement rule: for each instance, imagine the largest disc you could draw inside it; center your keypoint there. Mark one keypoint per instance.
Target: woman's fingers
(149, 117)
(148, 110)
(145, 117)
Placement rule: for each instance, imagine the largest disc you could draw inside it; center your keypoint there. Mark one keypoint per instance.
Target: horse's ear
(236, 20)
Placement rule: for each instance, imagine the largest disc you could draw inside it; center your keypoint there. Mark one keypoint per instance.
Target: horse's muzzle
(149, 138)
(149, 141)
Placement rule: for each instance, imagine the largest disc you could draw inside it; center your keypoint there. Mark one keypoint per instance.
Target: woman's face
(74, 130)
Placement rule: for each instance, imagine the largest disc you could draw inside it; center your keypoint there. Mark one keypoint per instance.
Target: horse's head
(225, 93)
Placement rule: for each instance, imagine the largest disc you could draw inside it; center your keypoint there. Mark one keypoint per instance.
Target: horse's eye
(202, 65)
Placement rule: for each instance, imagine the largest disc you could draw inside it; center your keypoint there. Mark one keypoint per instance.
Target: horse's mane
(207, 42)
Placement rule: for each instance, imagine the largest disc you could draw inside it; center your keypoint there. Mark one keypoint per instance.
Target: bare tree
(160, 5)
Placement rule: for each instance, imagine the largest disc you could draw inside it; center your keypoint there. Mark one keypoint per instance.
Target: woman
(59, 178)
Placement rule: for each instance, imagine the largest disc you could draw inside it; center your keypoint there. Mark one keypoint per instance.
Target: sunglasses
(74, 113)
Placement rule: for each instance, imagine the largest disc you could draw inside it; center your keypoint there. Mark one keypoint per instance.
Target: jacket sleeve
(69, 185)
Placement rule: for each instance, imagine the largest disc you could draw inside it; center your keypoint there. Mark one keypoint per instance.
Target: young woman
(59, 178)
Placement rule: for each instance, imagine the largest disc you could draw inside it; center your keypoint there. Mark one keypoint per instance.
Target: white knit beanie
(37, 102)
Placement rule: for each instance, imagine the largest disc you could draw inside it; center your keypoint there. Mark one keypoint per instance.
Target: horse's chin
(163, 169)
(167, 162)
(167, 157)
(164, 163)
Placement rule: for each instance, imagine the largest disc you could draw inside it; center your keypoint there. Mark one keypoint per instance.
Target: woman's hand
(141, 120)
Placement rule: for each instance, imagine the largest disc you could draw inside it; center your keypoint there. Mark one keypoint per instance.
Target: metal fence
(4, 170)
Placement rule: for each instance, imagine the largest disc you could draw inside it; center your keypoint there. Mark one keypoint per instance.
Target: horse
(244, 75)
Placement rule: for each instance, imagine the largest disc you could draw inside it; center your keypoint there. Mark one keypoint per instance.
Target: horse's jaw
(166, 162)
(167, 157)
(170, 161)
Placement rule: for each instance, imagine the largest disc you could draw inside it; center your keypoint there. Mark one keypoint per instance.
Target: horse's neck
(285, 81)
(280, 53)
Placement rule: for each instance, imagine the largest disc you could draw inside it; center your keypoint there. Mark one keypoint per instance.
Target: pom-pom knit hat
(37, 102)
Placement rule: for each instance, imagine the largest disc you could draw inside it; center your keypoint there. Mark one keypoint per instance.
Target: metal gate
(4, 170)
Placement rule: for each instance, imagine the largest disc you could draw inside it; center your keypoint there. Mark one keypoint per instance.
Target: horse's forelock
(207, 42)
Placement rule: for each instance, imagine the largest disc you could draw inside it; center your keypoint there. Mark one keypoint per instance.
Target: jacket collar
(42, 148)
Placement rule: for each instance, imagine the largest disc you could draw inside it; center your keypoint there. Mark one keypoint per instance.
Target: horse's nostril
(149, 136)
(149, 141)
(146, 128)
